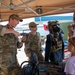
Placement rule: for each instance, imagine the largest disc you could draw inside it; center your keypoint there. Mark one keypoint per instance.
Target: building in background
(64, 20)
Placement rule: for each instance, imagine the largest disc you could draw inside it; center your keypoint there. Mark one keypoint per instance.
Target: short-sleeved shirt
(70, 66)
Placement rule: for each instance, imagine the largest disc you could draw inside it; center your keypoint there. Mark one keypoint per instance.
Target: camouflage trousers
(5, 71)
(39, 55)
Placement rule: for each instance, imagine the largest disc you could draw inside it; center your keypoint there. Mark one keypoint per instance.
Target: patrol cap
(15, 16)
(32, 24)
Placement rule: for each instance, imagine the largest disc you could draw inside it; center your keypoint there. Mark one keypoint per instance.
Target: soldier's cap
(15, 16)
(32, 24)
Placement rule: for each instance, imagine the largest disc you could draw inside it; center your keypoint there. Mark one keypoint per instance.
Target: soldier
(8, 47)
(33, 42)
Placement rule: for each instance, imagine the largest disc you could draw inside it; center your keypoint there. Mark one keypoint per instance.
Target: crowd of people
(54, 50)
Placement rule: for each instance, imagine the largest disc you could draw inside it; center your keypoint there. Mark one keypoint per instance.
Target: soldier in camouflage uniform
(33, 42)
(8, 47)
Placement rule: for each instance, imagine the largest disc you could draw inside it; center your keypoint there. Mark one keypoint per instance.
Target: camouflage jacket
(8, 49)
(33, 43)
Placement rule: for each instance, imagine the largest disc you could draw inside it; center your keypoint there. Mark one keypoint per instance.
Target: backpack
(32, 67)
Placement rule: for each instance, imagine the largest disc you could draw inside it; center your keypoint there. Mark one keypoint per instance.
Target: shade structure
(34, 8)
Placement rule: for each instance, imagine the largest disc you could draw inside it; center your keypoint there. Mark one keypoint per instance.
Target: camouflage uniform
(8, 50)
(33, 44)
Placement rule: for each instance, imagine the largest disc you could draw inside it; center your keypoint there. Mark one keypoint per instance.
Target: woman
(70, 64)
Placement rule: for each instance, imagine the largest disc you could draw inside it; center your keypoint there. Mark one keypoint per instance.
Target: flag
(45, 27)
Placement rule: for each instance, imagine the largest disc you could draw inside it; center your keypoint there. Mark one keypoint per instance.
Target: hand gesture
(16, 33)
(24, 38)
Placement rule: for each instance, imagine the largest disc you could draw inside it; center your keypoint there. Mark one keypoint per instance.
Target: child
(70, 64)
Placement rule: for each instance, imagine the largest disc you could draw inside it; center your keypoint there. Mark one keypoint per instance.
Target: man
(33, 42)
(53, 49)
(61, 31)
(8, 46)
(62, 35)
